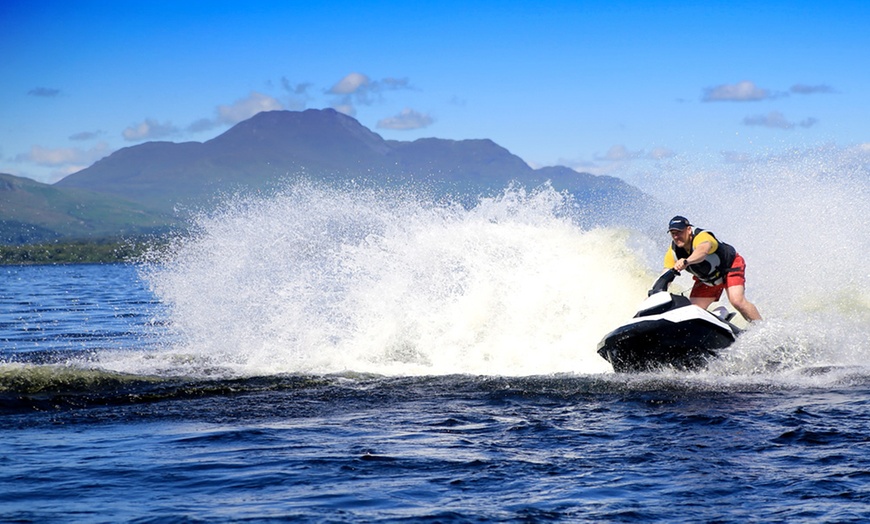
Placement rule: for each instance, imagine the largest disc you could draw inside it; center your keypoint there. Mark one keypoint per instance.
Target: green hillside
(32, 212)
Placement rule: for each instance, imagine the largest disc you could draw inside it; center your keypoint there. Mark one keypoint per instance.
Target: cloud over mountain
(358, 88)
(245, 108)
(350, 84)
(64, 160)
(241, 109)
(406, 120)
(149, 129)
(620, 153)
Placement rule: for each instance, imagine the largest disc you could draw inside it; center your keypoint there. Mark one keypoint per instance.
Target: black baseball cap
(679, 223)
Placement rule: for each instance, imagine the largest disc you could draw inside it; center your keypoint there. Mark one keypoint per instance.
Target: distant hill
(275, 146)
(33, 212)
(152, 180)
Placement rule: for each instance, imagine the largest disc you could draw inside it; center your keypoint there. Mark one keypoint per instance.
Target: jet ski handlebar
(662, 283)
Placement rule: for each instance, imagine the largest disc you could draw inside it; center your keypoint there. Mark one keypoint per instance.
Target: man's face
(681, 236)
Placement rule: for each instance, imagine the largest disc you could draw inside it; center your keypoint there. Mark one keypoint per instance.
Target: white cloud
(774, 119)
(394, 83)
(777, 120)
(65, 157)
(406, 120)
(149, 130)
(50, 157)
(346, 109)
(803, 89)
(245, 108)
(298, 89)
(745, 91)
(85, 135)
(619, 153)
(361, 85)
(231, 114)
(350, 84)
(357, 88)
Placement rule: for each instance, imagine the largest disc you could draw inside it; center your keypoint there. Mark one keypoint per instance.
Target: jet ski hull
(667, 331)
(657, 343)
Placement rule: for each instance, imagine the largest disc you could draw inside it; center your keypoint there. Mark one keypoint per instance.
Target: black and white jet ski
(667, 331)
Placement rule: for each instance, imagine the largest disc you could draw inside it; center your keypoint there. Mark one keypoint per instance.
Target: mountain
(34, 212)
(139, 188)
(274, 147)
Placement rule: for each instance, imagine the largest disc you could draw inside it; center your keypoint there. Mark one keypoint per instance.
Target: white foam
(325, 280)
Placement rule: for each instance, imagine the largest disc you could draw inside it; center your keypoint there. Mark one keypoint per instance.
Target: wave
(321, 280)
(49, 387)
(28, 388)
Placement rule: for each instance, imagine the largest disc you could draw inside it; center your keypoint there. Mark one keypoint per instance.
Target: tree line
(107, 251)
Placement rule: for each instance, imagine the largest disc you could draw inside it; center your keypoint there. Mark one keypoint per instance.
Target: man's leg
(702, 302)
(736, 295)
(703, 295)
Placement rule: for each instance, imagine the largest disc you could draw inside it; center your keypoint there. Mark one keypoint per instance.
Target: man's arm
(698, 255)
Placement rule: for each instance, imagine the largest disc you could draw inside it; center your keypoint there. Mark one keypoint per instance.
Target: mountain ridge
(273, 148)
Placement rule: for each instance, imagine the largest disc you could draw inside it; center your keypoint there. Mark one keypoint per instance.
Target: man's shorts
(736, 276)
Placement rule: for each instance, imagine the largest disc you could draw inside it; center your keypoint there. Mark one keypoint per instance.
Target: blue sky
(600, 86)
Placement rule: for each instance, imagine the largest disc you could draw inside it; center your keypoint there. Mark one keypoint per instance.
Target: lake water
(329, 357)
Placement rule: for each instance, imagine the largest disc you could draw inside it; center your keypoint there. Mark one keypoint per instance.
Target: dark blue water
(82, 441)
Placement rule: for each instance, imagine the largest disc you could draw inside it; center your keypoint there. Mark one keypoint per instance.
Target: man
(714, 264)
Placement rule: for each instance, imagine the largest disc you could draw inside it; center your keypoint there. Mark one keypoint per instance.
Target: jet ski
(668, 331)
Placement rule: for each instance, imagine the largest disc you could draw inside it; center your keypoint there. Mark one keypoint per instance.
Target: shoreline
(102, 251)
